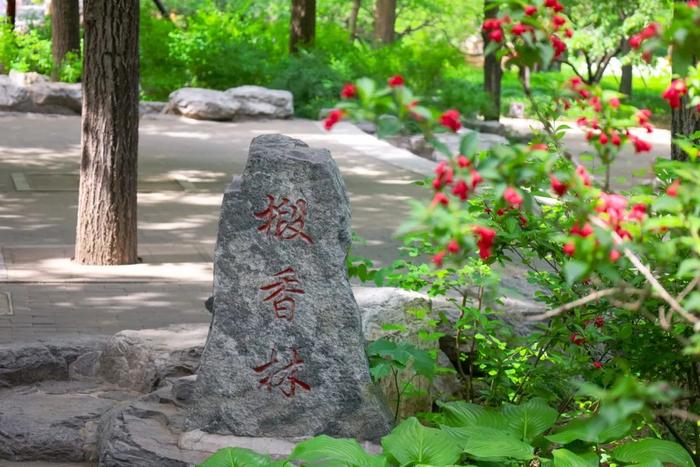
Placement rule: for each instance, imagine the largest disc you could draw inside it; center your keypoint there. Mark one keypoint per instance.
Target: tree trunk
(385, 21)
(626, 76)
(303, 24)
(106, 231)
(11, 12)
(65, 31)
(356, 4)
(492, 73)
(684, 121)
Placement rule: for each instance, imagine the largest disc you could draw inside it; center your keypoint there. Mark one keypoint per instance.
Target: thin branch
(592, 297)
(676, 435)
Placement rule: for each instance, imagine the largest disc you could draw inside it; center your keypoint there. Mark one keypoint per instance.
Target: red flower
(440, 198)
(349, 91)
(491, 24)
(674, 92)
(519, 29)
(450, 119)
(558, 44)
(396, 81)
(453, 246)
(646, 56)
(558, 21)
(614, 256)
(603, 139)
(463, 162)
(643, 116)
(334, 117)
(598, 365)
(599, 322)
(530, 10)
(558, 7)
(577, 339)
(595, 103)
(582, 121)
(576, 81)
(437, 259)
(569, 33)
(496, 35)
(476, 178)
(569, 249)
(485, 241)
(650, 31)
(672, 190)
(512, 197)
(461, 190)
(539, 147)
(584, 232)
(583, 174)
(558, 186)
(641, 145)
(637, 213)
(636, 41)
(615, 139)
(614, 102)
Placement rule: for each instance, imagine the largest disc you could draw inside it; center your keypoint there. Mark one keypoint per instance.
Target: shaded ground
(183, 168)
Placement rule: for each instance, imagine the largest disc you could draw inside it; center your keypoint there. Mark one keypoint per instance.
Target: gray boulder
(142, 360)
(62, 98)
(14, 97)
(27, 79)
(260, 102)
(285, 354)
(203, 104)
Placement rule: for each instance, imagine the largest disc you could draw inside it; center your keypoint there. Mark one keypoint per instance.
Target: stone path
(183, 168)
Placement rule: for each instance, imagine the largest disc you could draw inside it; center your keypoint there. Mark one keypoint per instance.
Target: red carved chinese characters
(280, 375)
(281, 293)
(285, 220)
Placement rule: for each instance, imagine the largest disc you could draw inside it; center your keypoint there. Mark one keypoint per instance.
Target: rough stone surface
(53, 420)
(14, 97)
(152, 107)
(63, 98)
(142, 360)
(257, 101)
(203, 104)
(27, 79)
(29, 363)
(285, 355)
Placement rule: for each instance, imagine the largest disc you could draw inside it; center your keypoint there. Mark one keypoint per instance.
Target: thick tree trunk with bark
(303, 24)
(492, 73)
(385, 21)
(354, 13)
(11, 11)
(65, 31)
(106, 231)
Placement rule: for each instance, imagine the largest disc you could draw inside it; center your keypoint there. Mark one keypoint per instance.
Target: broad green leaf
(529, 420)
(413, 443)
(591, 430)
(460, 413)
(327, 451)
(493, 444)
(236, 457)
(651, 449)
(566, 458)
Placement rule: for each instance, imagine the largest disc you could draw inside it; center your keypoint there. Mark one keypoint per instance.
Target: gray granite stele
(285, 355)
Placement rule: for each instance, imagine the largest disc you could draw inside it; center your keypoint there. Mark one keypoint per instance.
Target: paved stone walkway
(183, 168)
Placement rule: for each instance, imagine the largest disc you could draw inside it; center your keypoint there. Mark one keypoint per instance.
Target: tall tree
(11, 11)
(106, 231)
(626, 75)
(303, 24)
(65, 31)
(385, 21)
(492, 69)
(684, 120)
(354, 14)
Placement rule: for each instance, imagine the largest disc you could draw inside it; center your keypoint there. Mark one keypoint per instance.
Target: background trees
(65, 31)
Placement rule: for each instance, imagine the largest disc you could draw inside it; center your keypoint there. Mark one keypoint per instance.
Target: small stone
(257, 101)
(203, 104)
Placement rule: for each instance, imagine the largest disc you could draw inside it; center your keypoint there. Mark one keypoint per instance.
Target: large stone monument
(284, 356)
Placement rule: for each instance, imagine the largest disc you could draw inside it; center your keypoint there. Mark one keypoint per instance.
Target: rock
(27, 79)
(85, 366)
(54, 420)
(516, 110)
(51, 359)
(152, 107)
(257, 101)
(203, 104)
(14, 97)
(183, 388)
(142, 360)
(63, 98)
(285, 355)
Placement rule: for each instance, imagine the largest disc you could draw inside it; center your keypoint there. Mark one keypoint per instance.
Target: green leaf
(575, 270)
(651, 449)
(413, 443)
(531, 419)
(566, 458)
(236, 457)
(489, 444)
(469, 143)
(327, 451)
(590, 430)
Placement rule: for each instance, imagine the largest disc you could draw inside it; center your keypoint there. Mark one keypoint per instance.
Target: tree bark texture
(106, 231)
(65, 31)
(303, 24)
(11, 11)
(626, 75)
(684, 121)
(385, 21)
(492, 73)
(354, 14)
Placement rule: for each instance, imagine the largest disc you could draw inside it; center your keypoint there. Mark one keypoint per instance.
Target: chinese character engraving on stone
(285, 220)
(281, 375)
(281, 293)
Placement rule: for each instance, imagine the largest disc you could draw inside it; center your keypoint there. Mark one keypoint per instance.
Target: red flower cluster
(675, 91)
(672, 189)
(647, 33)
(512, 197)
(396, 81)
(554, 5)
(349, 91)
(484, 241)
(451, 119)
(558, 187)
(495, 28)
(577, 339)
(334, 117)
